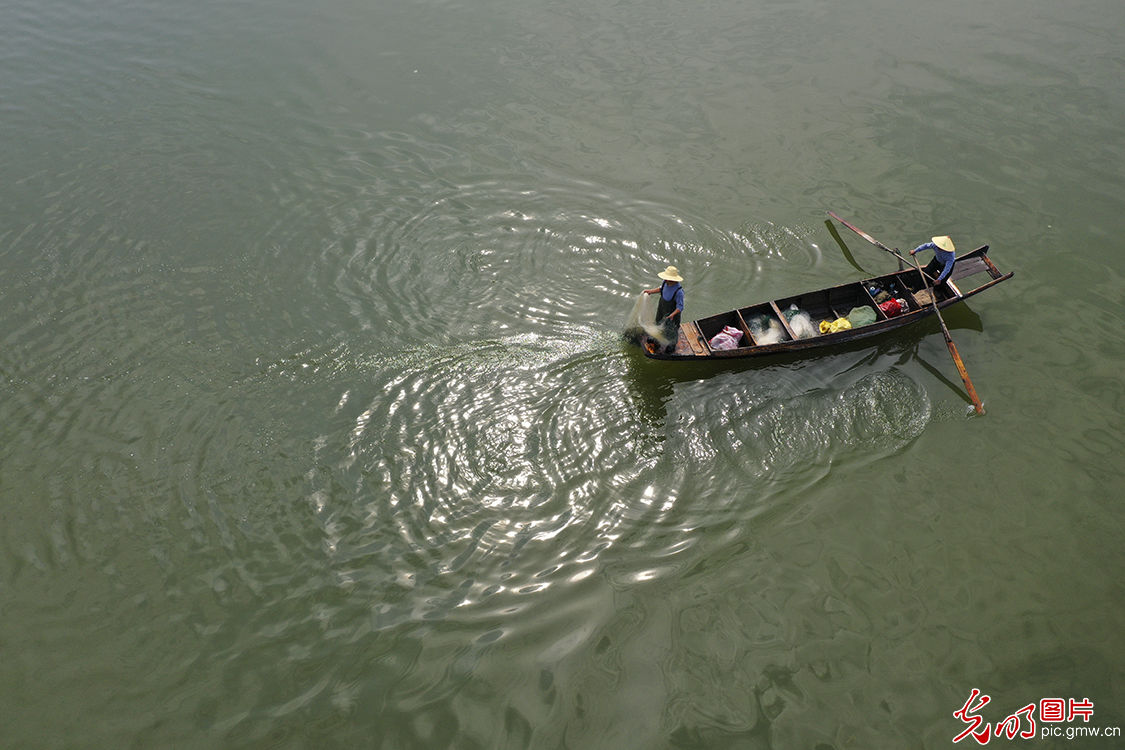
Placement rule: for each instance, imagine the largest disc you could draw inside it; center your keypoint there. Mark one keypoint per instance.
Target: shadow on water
(844, 248)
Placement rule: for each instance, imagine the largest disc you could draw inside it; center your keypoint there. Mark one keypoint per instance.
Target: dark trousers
(932, 269)
(671, 328)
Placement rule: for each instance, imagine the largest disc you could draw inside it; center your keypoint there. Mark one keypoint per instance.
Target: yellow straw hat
(671, 273)
(944, 243)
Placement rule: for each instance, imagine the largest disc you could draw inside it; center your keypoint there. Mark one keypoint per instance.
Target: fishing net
(642, 322)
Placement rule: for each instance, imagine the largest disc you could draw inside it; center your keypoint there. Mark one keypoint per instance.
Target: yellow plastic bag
(834, 326)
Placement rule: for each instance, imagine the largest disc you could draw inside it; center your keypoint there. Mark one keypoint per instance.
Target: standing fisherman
(670, 309)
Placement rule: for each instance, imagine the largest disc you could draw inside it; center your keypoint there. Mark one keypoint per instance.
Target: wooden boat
(974, 268)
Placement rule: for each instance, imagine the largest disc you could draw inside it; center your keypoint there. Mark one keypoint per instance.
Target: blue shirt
(944, 257)
(670, 291)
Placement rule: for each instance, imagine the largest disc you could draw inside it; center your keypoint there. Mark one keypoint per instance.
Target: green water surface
(317, 430)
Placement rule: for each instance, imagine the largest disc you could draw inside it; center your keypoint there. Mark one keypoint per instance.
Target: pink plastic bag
(727, 338)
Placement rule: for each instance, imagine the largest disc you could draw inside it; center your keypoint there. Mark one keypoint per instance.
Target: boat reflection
(652, 383)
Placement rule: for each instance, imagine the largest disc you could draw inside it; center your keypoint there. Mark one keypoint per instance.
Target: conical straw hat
(944, 243)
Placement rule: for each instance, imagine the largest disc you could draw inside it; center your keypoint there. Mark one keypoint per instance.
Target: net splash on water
(641, 322)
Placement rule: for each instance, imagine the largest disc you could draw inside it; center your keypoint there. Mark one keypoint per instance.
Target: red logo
(1022, 722)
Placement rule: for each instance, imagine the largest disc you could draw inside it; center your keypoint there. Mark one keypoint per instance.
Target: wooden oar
(952, 347)
(933, 301)
(868, 237)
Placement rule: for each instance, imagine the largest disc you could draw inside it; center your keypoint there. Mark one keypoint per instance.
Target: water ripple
(489, 461)
(457, 257)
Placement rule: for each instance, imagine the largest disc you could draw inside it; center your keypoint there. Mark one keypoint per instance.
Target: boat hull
(972, 274)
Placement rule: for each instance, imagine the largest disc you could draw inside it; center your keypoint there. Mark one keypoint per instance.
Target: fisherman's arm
(947, 268)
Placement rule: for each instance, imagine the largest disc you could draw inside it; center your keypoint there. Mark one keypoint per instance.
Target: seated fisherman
(944, 256)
